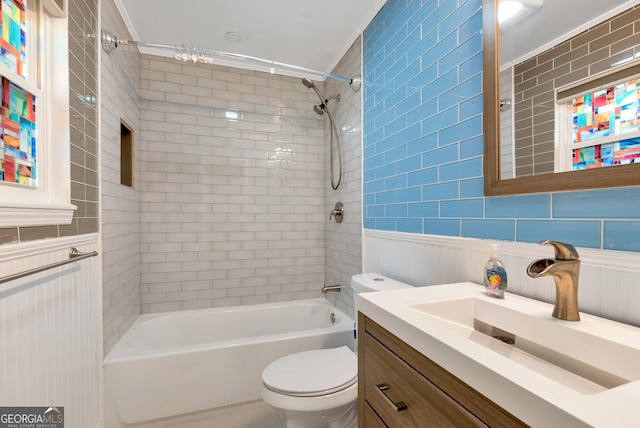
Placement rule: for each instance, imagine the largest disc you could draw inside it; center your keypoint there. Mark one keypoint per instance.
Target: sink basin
(589, 356)
(545, 371)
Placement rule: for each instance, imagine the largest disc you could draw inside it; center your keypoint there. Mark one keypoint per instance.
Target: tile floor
(254, 414)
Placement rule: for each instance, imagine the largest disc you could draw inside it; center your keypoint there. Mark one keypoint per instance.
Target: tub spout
(565, 269)
(327, 288)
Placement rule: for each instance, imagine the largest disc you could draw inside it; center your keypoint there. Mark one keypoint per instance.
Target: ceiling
(551, 22)
(311, 35)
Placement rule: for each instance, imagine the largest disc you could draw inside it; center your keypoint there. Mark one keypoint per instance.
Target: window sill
(35, 215)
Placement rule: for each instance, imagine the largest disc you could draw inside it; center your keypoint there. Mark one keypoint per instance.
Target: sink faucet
(565, 269)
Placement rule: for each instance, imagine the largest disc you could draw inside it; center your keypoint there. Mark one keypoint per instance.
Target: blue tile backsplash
(423, 141)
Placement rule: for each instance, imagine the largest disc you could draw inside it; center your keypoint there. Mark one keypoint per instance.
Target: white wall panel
(609, 284)
(50, 334)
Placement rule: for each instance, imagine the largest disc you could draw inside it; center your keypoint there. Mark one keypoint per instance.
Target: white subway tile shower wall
(344, 240)
(120, 207)
(232, 169)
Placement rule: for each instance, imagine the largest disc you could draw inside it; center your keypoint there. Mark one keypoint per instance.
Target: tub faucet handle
(337, 212)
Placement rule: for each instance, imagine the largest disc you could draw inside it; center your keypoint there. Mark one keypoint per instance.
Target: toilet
(319, 388)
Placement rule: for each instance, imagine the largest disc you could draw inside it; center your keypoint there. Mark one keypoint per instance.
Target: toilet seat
(312, 373)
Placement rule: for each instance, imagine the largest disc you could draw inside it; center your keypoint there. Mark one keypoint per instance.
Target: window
(34, 114)
(18, 154)
(18, 133)
(606, 127)
(599, 121)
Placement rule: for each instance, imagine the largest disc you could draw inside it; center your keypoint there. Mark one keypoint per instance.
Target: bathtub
(187, 361)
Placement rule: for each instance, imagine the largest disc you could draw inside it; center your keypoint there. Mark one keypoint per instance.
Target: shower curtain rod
(111, 42)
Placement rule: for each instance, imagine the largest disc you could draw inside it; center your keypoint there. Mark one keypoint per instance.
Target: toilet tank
(366, 282)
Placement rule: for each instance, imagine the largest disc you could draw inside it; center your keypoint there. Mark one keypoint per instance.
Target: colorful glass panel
(13, 52)
(17, 135)
(618, 153)
(609, 112)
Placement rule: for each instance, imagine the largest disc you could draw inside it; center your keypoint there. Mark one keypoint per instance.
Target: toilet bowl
(314, 388)
(319, 388)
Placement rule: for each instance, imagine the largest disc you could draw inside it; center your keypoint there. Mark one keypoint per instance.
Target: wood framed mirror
(598, 178)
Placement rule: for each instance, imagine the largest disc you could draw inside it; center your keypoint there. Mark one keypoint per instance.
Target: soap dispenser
(495, 275)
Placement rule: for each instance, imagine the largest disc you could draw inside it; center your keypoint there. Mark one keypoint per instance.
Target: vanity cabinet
(400, 387)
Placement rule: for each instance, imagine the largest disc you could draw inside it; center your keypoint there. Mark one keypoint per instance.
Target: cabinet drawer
(371, 420)
(391, 384)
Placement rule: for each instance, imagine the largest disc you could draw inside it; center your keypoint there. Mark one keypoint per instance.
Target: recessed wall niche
(126, 154)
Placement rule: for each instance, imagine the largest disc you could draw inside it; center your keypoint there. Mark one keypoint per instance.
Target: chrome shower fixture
(309, 84)
(320, 108)
(505, 104)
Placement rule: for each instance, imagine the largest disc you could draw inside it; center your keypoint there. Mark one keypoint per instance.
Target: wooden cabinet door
(404, 398)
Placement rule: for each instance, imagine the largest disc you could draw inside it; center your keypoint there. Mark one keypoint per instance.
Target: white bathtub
(180, 362)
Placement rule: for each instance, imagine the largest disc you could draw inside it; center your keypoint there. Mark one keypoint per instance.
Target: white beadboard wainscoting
(609, 284)
(50, 329)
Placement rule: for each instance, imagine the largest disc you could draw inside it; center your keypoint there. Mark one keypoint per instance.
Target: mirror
(615, 176)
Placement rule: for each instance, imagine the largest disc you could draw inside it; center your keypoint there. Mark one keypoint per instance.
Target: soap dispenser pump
(495, 275)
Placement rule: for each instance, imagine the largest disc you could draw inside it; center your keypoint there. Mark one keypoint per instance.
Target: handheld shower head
(309, 84)
(319, 109)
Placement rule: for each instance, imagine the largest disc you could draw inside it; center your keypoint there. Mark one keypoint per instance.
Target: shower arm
(111, 42)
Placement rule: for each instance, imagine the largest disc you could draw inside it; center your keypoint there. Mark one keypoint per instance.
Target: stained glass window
(13, 26)
(34, 152)
(18, 106)
(601, 121)
(17, 135)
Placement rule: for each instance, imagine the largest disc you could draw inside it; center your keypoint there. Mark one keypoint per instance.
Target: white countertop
(536, 399)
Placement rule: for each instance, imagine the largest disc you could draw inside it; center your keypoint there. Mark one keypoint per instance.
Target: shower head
(319, 109)
(309, 84)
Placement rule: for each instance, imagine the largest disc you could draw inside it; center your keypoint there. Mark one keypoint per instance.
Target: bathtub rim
(120, 355)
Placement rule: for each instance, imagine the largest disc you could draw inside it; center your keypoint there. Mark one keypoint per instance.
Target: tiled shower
(231, 190)
(232, 186)
(120, 208)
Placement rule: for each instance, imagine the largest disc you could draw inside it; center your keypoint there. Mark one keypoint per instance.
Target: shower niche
(126, 154)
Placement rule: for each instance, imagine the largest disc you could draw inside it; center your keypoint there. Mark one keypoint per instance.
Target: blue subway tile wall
(489, 229)
(622, 235)
(584, 233)
(607, 203)
(521, 206)
(423, 141)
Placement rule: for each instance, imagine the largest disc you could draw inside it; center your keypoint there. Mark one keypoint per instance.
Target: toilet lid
(312, 373)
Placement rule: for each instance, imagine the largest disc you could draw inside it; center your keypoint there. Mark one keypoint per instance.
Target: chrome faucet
(327, 288)
(565, 269)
